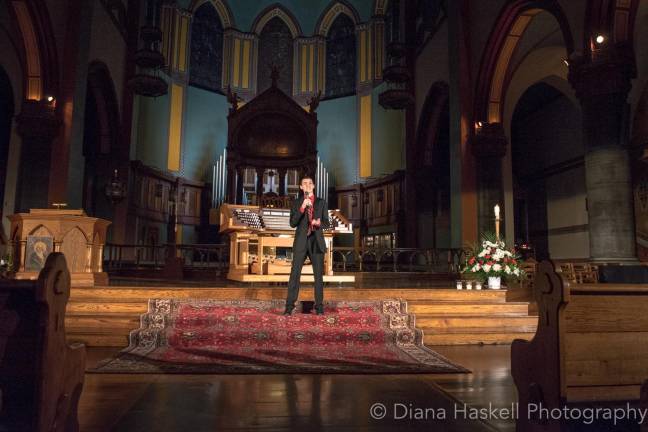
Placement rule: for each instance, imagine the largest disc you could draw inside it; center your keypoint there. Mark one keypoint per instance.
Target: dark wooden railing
(398, 260)
(195, 256)
(345, 259)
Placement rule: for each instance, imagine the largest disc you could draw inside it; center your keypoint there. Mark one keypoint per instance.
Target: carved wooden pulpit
(80, 238)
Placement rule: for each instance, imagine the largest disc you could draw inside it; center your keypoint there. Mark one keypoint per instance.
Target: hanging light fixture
(115, 190)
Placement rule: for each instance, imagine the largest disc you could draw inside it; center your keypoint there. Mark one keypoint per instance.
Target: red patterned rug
(252, 336)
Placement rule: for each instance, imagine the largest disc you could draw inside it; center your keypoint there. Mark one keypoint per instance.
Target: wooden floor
(299, 402)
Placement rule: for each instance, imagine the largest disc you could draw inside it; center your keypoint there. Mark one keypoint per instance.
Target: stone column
(602, 85)
(37, 126)
(489, 147)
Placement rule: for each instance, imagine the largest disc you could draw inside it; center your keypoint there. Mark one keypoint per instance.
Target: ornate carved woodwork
(270, 131)
(375, 203)
(155, 192)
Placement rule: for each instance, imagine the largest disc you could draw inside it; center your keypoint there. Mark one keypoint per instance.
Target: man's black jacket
(299, 220)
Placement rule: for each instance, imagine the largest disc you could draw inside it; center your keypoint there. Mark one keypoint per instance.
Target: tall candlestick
(497, 221)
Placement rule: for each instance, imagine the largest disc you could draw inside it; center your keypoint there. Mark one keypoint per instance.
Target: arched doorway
(523, 29)
(101, 129)
(549, 174)
(432, 171)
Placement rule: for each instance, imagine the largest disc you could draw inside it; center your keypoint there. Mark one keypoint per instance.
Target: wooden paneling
(154, 191)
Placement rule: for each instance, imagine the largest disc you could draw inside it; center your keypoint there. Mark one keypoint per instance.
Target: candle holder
(469, 285)
(478, 285)
(459, 284)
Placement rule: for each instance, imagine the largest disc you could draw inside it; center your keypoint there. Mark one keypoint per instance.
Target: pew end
(41, 376)
(590, 348)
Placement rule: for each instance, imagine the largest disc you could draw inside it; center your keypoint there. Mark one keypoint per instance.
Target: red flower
(487, 256)
(472, 261)
(514, 262)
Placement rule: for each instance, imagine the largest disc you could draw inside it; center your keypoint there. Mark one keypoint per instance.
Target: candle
(497, 211)
(459, 284)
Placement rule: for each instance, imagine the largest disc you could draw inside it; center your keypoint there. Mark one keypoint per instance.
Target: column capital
(37, 120)
(489, 141)
(609, 72)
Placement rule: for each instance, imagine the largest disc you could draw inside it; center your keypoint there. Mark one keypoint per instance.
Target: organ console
(261, 243)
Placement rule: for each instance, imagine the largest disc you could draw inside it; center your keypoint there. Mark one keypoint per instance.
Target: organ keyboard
(261, 242)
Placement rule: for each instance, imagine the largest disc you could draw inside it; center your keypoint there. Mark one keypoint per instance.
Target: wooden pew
(41, 376)
(591, 347)
(644, 403)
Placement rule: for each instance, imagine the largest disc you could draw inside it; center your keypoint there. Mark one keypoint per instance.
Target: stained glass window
(206, 62)
(341, 58)
(275, 48)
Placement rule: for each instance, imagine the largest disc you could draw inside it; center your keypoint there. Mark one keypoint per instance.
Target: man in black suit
(309, 215)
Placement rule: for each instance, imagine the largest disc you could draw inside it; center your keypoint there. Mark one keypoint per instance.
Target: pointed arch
(331, 13)
(41, 231)
(279, 11)
(206, 47)
(74, 245)
(507, 32)
(380, 7)
(222, 8)
(37, 48)
(101, 91)
(429, 121)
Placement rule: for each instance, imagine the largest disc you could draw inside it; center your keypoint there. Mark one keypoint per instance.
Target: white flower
(487, 268)
(507, 270)
(516, 272)
(497, 267)
(477, 267)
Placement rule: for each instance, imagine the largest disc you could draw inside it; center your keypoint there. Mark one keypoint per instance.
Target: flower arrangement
(493, 259)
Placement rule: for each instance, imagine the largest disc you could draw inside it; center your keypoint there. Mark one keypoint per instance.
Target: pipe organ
(261, 243)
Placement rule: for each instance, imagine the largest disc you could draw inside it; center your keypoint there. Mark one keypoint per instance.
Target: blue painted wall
(337, 139)
(306, 12)
(387, 137)
(205, 132)
(153, 131)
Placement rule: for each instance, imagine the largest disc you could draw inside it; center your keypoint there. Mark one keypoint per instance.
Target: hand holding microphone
(307, 202)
